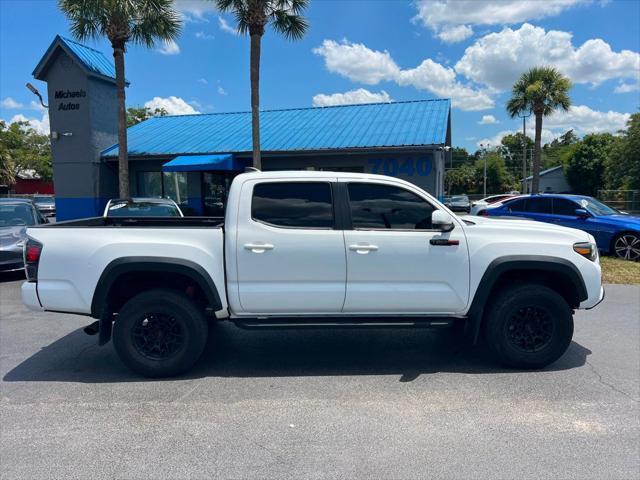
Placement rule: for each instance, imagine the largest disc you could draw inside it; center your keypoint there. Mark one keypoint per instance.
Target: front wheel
(160, 333)
(627, 246)
(528, 326)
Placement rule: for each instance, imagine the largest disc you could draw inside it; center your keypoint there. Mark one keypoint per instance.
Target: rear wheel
(160, 333)
(627, 246)
(528, 326)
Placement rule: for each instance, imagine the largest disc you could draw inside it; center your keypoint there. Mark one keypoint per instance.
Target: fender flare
(502, 265)
(124, 265)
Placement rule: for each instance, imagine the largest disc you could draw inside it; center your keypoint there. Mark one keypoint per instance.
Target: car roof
(16, 200)
(143, 200)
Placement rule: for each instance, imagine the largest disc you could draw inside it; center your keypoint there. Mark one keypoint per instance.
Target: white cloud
(173, 105)
(583, 120)
(41, 126)
(221, 91)
(498, 59)
(451, 20)
(627, 87)
(33, 105)
(361, 95)
(203, 81)
(441, 81)
(455, 34)
(359, 63)
(11, 104)
(204, 36)
(169, 48)
(488, 120)
(225, 27)
(580, 118)
(195, 10)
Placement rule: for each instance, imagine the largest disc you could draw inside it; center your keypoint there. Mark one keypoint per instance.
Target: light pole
(35, 91)
(524, 151)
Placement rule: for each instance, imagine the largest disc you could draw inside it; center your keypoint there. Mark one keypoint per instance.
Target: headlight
(586, 249)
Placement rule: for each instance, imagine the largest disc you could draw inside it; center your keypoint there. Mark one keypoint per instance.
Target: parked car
(458, 203)
(16, 214)
(616, 233)
(142, 207)
(312, 249)
(480, 205)
(46, 204)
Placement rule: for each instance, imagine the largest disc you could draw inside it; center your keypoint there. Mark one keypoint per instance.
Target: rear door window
(293, 204)
(539, 205)
(564, 206)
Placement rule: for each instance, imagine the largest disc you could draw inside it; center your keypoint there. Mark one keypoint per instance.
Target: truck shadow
(232, 352)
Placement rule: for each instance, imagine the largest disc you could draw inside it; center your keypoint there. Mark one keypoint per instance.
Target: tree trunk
(535, 181)
(255, 99)
(123, 158)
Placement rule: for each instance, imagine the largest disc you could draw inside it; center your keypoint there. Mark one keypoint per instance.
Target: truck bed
(151, 222)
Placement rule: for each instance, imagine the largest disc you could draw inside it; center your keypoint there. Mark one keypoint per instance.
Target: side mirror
(441, 220)
(582, 213)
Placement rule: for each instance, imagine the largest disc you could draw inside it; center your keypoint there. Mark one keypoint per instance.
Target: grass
(615, 270)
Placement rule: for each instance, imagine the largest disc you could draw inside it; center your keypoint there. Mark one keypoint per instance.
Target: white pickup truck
(310, 249)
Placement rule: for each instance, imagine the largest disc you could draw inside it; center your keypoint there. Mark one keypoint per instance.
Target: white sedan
(480, 205)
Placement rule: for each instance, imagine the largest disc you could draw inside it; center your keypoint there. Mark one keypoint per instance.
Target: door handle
(363, 249)
(258, 247)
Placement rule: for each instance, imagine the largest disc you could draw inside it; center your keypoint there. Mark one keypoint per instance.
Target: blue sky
(363, 51)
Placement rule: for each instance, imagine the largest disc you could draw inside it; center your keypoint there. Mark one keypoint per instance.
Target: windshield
(597, 208)
(143, 209)
(459, 198)
(16, 215)
(43, 199)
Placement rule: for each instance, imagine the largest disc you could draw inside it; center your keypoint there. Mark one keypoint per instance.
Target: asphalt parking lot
(320, 404)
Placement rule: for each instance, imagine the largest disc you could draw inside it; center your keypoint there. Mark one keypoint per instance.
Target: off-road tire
(528, 326)
(182, 319)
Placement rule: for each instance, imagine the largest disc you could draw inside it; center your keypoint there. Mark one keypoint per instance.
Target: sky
(363, 51)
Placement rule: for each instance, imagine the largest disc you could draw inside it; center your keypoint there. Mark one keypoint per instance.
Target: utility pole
(524, 151)
(484, 156)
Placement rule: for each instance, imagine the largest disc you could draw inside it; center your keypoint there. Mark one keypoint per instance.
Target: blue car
(616, 233)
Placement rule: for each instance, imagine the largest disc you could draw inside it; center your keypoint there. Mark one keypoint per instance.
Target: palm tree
(252, 16)
(541, 90)
(141, 22)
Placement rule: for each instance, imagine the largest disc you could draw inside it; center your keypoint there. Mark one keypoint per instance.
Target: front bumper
(30, 296)
(598, 302)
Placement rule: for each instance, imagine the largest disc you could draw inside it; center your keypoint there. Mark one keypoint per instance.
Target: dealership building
(193, 158)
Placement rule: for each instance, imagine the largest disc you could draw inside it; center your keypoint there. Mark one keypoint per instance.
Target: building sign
(407, 167)
(69, 94)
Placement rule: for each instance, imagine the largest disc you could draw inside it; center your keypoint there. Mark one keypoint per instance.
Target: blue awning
(200, 163)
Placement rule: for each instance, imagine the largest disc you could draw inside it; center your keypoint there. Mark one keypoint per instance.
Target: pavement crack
(609, 385)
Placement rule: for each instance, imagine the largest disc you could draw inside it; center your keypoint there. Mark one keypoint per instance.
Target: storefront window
(149, 184)
(175, 187)
(215, 188)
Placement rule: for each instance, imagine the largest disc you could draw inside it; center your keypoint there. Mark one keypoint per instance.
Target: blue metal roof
(396, 124)
(92, 60)
(202, 163)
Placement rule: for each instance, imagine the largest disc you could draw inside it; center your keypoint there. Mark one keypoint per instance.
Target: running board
(333, 322)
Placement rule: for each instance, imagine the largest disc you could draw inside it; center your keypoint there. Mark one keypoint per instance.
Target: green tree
(585, 166)
(140, 114)
(142, 22)
(22, 148)
(252, 16)
(555, 152)
(499, 179)
(622, 165)
(461, 179)
(541, 90)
